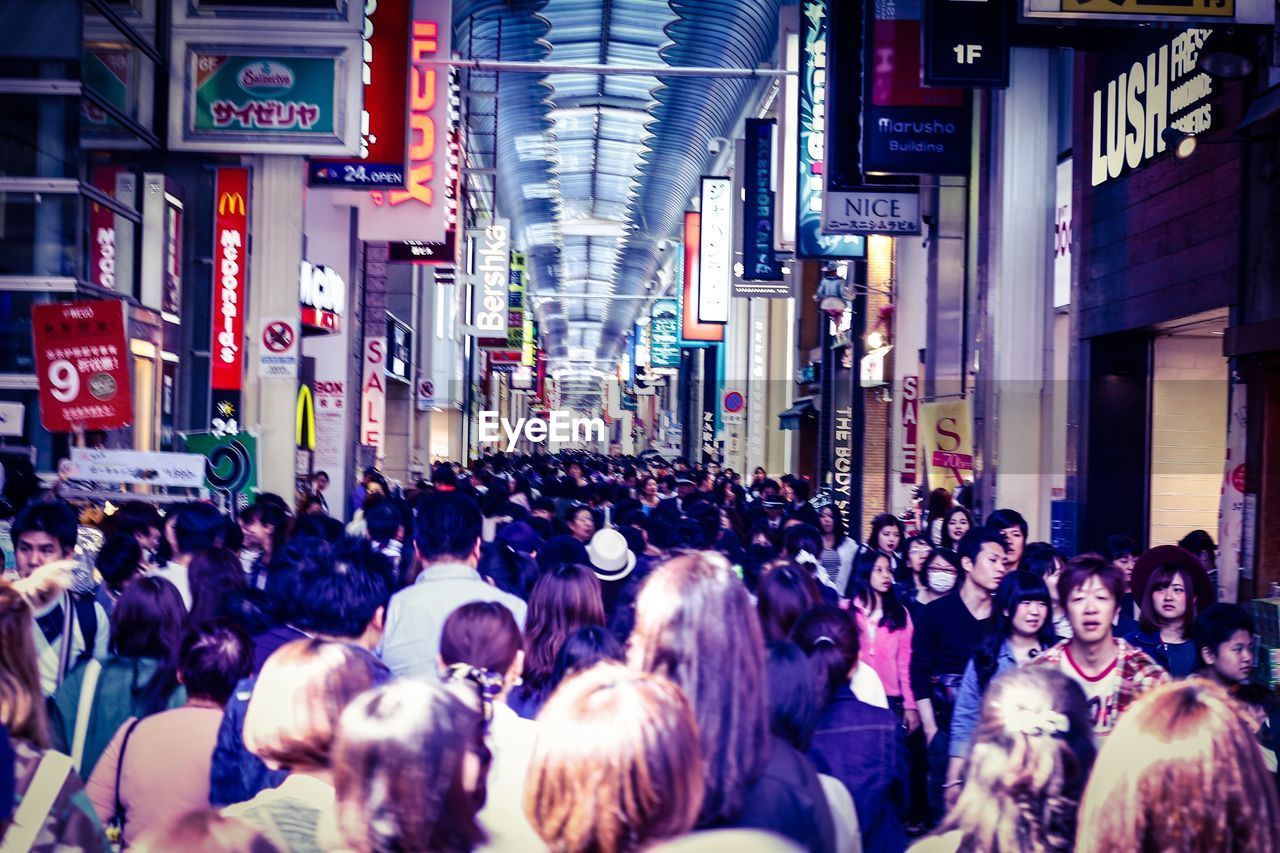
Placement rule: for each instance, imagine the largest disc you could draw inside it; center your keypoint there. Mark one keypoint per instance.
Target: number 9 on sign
(65, 380)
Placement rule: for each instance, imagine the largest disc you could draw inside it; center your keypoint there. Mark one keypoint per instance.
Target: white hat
(610, 556)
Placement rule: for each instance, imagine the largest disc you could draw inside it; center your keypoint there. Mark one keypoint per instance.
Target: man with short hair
(68, 627)
(198, 527)
(1112, 672)
(946, 634)
(343, 590)
(447, 538)
(1223, 637)
(1010, 524)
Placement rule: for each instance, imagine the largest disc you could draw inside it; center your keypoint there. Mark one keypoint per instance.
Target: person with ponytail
(855, 742)
(482, 655)
(1032, 753)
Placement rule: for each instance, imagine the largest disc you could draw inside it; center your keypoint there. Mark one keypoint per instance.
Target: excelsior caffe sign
(1161, 90)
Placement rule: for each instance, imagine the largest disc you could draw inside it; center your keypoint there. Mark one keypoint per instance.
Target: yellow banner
(946, 435)
(1187, 8)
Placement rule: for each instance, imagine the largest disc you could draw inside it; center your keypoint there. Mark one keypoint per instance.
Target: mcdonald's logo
(232, 203)
(305, 419)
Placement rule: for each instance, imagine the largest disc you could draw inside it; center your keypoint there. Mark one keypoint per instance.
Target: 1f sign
(967, 54)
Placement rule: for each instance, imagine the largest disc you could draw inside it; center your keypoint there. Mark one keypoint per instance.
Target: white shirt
(868, 687)
(511, 741)
(843, 814)
(176, 574)
(415, 617)
(48, 654)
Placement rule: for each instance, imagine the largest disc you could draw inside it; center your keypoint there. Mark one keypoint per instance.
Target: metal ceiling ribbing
(596, 171)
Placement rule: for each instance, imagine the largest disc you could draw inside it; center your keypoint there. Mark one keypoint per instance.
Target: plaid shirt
(1137, 673)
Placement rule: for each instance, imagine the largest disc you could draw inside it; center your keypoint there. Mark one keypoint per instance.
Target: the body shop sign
(230, 273)
(1132, 110)
(812, 120)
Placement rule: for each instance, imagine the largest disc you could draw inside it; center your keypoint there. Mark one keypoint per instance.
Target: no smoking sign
(278, 354)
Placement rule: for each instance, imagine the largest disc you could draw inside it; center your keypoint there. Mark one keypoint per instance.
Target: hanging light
(1183, 143)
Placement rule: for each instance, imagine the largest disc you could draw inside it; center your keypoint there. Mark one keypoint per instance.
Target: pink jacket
(889, 654)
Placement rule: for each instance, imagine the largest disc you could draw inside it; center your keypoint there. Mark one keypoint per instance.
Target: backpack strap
(37, 801)
(87, 617)
(84, 711)
(119, 813)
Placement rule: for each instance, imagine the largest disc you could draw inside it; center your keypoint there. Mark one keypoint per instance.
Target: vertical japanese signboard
(385, 72)
(715, 250)
(759, 261)
(82, 365)
(664, 334)
(230, 275)
(812, 119)
(691, 330)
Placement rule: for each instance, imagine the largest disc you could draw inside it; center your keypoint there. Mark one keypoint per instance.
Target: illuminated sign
(491, 247)
(715, 250)
(1148, 11)
(230, 274)
(1164, 89)
(664, 334)
(691, 329)
(423, 92)
(759, 262)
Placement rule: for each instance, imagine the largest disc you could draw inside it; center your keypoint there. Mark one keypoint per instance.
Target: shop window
(39, 133)
(16, 355)
(38, 233)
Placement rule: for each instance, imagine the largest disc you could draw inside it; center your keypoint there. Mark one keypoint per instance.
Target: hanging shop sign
(664, 331)
(966, 43)
(268, 99)
(516, 303)
(906, 128)
(322, 295)
(399, 349)
(529, 343)
(138, 467)
(715, 250)
(812, 105)
(383, 131)
(759, 260)
(230, 463)
(171, 283)
(421, 252)
(230, 275)
(910, 470)
(490, 258)
(691, 330)
(948, 442)
(82, 365)
(1148, 11)
(373, 393)
(872, 210)
(102, 228)
(1062, 235)
(278, 350)
(1165, 88)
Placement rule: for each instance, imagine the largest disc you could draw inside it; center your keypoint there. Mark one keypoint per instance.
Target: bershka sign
(872, 210)
(1164, 89)
(491, 256)
(230, 274)
(715, 251)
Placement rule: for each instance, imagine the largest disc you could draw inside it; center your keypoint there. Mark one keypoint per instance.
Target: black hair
(448, 527)
(829, 638)
(971, 543)
(583, 649)
(1003, 519)
(1119, 546)
(1016, 587)
(198, 527)
(214, 659)
(838, 529)
(793, 699)
(119, 559)
(1197, 541)
(147, 622)
(944, 538)
(312, 526)
(58, 519)
(384, 520)
(802, 537)
(895, 614)
(342, 584)
(510, 570)
(134, 517)
(880, 522)
(801, 489)
(269, 513)
(784, 594)
(1042, 558)
(1217, 623)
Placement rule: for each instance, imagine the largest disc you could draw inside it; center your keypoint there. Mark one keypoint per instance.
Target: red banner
(82, 365)
(691, 329)
(230, 272)
(102, 229)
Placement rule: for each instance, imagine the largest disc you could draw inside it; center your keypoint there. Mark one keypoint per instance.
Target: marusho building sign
(1131, 112)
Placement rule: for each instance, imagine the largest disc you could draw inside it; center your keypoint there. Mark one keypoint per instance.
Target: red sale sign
(82, 365)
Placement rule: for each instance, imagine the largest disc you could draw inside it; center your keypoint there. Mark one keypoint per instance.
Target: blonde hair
(301, 691)
(1181, 771)
(1032, 750)
(206, 831)
(617, 765)
(22, 708)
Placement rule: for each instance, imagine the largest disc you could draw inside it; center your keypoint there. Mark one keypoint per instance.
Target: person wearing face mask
(947, 633)
(1020, 631)
(938, 575)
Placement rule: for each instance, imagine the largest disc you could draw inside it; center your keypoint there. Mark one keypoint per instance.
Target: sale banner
(82, 365)
(948, 442)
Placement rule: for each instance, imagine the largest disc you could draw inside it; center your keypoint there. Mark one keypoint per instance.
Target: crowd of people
(581, 653)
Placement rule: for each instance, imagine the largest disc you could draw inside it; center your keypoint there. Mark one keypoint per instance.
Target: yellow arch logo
(231, 203)
(305, 419)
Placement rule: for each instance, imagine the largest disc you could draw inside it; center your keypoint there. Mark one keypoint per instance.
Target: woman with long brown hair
(563, 600)
(695, 625)
(617, 765)
(1182, 771)
(1032, 750)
